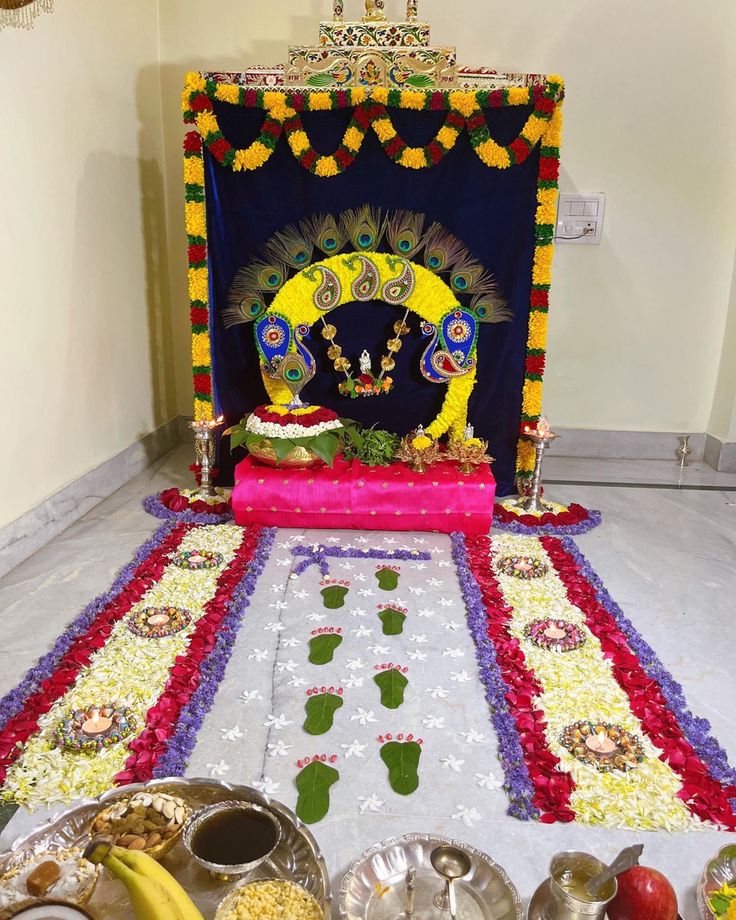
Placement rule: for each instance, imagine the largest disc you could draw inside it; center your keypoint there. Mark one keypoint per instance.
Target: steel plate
(374, 885)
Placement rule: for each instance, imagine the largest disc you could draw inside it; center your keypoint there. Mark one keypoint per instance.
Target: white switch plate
(580, 218)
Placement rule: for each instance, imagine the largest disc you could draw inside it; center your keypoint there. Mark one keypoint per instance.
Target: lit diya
(555, 635)
(193, 559)
(158, 622)
(603, 746)
(89, 730)
(525, 567)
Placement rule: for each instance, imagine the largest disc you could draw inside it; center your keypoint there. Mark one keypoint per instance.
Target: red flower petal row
(552, 787)
(175, 501)
(20, 728)
(306, 421)
(162, 718)
(575, 514)
(705, 796)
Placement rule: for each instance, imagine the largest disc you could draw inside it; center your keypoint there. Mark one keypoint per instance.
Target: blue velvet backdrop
(491, 210)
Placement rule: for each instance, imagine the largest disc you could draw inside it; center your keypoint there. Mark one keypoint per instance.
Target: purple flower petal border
(181, 743)
(13, 702)
(319, 556)
(551, 530)
(695, 729)
(153, 505)
(518, 783)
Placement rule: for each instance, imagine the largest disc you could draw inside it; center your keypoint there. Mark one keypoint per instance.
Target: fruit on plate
(643, 894)
(154, 893)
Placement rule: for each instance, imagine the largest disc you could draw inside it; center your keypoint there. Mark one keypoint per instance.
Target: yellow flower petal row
(580, 685)
(128, 669)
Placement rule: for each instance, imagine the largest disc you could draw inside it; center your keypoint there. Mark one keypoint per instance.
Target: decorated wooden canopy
(287, 107)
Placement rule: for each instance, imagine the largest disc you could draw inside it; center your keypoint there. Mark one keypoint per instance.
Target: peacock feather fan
(291, 246)
(404, 233)
(364, 227)
(325, 233)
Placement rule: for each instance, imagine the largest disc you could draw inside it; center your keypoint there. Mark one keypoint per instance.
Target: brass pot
(299, 458)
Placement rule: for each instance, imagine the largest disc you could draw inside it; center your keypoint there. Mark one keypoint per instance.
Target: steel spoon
(451, 863)
(627, 858)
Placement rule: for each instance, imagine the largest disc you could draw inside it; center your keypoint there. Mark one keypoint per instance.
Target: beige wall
(637, 323)
(84, 331)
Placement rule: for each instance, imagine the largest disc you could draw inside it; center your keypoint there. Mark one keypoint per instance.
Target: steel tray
(297, 857)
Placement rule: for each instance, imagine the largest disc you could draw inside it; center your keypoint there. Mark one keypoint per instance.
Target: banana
(154, 893)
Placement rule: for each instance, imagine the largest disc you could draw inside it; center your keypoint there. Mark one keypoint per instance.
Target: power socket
(580, 218)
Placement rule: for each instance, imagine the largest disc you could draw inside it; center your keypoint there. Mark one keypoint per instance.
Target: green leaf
(355, 437)
(325, 445)
(391, 684)
(282, 447)
(320, 79)
(322, 647)
(420, 80)
(238, 438)
(402, 760)
(321, 711)
(388, 580)
(313, 783)
(393, 621)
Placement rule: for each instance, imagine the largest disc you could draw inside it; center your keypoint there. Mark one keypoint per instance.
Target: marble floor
(666, 556)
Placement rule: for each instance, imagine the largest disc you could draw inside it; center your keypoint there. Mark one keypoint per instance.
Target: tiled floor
(666, 556)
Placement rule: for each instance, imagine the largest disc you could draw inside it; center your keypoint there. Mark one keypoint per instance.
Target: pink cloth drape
(356, 497)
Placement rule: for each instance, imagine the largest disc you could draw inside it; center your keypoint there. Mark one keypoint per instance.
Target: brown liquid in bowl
(232, 838)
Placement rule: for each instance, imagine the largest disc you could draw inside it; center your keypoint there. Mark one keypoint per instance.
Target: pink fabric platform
(356, 497)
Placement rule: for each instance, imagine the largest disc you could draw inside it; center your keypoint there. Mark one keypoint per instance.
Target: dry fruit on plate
(150, 821)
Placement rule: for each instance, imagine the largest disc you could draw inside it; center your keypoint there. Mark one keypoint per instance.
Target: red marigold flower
(201, 103)
(395, 146)
(219, 148)
(549, 168)
(539, 298)
(344, 157)
(520, 149)
(197, 253)
(437, 101)
(202, 383)
(199, 316)
(251, 98)
(192, 142)
(535, 364)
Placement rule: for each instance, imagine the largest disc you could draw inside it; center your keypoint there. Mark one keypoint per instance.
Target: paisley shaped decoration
(398, 290)
(300, 333)
(425, 364)
(273, 337)
(329, 291)
(365, 286)
(243, 307)
(459, 331)
(448, 365)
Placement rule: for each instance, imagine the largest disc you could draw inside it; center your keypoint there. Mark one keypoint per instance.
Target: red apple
(643, 894)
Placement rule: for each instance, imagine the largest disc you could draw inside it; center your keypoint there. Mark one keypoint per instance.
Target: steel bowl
(720, 869)
(234, 870)
(230, 901)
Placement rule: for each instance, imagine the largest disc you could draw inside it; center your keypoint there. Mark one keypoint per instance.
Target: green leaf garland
(322, 647)
(321, 709)
(392, 684)
(402, 760)
(314, 782)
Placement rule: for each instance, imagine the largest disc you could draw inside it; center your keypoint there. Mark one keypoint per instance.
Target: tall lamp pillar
(412, 10)
(541, 436)
(204, 446)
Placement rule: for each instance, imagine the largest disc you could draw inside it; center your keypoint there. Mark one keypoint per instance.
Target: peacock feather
(324, 232)
(466, 274)
(244, 305)
(262, 276)
(291, 246)
(491, 308)
(442, 249)
(404, 233)
(364, 227)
